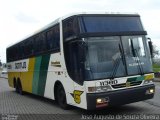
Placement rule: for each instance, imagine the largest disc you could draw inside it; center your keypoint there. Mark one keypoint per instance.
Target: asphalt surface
(26, 107)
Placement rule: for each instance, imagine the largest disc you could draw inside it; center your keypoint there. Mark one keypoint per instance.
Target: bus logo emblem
(77, 96)
(128, 84)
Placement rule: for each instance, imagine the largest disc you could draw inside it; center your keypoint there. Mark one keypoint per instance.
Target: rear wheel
(19, 87)
(61, 97)
(14, 82)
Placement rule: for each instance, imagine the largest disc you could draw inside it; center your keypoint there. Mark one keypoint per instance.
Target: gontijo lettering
(20, 65)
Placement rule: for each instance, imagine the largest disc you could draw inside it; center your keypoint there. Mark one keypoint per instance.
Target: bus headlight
(99, 89)
(102, 100)
(150, 91)
(99, 100)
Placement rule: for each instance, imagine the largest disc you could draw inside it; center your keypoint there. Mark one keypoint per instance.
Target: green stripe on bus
(134, 79)
(43, 74)
(131, 79)
(36, 74)
(140, 78)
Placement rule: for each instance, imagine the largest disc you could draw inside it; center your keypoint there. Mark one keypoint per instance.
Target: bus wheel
(14, 82)
(19, 87)
(61, 97)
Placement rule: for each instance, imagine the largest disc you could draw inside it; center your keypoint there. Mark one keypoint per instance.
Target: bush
(156, 67)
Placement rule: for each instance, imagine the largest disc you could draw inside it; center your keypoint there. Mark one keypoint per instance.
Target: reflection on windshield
(136, 53)
(133, 46)
(103, 58)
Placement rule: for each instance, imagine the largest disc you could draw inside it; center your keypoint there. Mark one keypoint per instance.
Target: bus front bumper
(120, 97)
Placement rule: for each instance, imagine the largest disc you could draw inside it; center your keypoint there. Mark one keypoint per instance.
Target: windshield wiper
(117, 62)
(137, 60)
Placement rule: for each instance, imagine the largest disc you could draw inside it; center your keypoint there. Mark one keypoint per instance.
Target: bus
(87, 60)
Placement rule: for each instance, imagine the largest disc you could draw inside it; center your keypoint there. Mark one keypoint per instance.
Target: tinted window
(28, 47)
(53, 38)
(21, 50)
(16, 52)
(70, 27)
(73, 59)
(110, 24)
(40, 43)
(48, 40)
(10, 54)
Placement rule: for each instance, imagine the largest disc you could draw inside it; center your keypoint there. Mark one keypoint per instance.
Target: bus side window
(11, 54)
(16, 52)
(43, 42)
(21, 49)
(31, 47)
(57, 37)
(70, 27)
(21, 53)
(40, 44)
(26, 48)
(49, 40)
(53, 38)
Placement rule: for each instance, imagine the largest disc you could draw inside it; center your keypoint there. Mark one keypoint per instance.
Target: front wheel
(61, 97)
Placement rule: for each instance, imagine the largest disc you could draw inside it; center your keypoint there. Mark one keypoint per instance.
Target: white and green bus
(86, 60)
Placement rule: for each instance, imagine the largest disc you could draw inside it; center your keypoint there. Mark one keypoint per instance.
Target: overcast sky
(19, 18)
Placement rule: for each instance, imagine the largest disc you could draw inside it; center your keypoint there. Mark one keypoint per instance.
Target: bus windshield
(95, 58)
(108, 58)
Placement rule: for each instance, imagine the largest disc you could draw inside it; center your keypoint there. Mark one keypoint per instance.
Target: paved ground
(15, 106)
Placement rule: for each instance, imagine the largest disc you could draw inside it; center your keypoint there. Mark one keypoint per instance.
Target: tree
(155, 55)
(155, 51)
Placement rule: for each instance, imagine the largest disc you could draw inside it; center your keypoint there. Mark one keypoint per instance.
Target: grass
(156, 68)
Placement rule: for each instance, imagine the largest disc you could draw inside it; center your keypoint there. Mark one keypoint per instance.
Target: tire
(19, 88)
(14, 82)
(61, 97)
(16, 87)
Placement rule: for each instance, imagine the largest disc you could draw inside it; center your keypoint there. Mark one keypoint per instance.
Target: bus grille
(126, 85)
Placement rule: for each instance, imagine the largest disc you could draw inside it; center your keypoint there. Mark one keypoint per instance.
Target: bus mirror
(150, 46)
